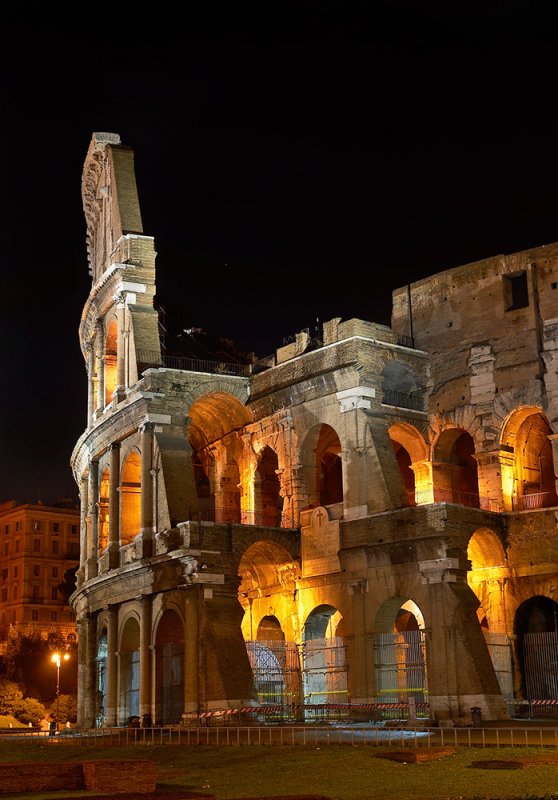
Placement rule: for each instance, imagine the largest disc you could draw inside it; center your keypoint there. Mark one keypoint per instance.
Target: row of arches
(519, 477)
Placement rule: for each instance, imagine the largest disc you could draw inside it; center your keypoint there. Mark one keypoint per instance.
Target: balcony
(458, 498)
(402, 400)
(150, 358)
(534, 502)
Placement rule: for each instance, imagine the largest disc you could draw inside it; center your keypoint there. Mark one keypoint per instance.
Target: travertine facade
(368, 517)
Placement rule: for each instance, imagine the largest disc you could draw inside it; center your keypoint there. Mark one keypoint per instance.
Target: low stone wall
(132, 776)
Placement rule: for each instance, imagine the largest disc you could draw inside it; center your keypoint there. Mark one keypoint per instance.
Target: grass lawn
(338, 771)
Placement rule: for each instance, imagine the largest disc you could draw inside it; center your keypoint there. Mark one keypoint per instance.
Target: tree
(65, 710)
(26, 661)
(30, 710)
(10, 696)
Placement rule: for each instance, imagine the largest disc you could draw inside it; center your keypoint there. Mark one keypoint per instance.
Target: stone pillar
(88, 669)
(490, 480)
(460, 670)
(84, 512)
(357, 656)
(146, 446)
(100, 353)
(93, 543)
(506, 460)
(424, 489)
(145, 657)
(192, 661)
(91, 383)
(553, 437)
(372, 480)
(111, 678)
(81, 625)
(114, 507)
(120, 392)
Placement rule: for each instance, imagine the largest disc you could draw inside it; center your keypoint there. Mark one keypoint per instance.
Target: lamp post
(57, 659)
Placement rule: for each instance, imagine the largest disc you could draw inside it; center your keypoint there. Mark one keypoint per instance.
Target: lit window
(36, 525)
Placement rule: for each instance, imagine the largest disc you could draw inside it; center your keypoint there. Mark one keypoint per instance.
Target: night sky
(295, 161)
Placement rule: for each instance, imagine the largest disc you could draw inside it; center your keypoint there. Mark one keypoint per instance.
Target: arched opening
(330, 471)
(400, 654)
(536, 631)
(110, 359)
(324, 657)
(268, 659)
(129, 671)
(267, 569)
(401, 386)
(230, 494)
(488, 570)
(411, 453)
(169, 668)
(267, 498)
(101, 679)
(527, 463)
(206, 498)
(455, 469)
(130, 498)
(104, 511)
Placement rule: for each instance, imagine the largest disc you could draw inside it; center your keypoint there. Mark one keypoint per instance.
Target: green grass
(342, 772)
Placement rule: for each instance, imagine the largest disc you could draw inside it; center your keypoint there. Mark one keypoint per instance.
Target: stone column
(89, 669)
(120, 392)
(82, 672)
(192, 662)
(100, 352)
(506, 460)
(91, 382)
(357, 656)
(114, 507)
(146, 446)
(490, 480)
(460, 670)
(84, 513)
(93, 544)
(111, 679)
(145, 657)
(553, 437)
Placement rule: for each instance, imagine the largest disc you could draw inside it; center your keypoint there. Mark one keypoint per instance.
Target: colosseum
(367, 518)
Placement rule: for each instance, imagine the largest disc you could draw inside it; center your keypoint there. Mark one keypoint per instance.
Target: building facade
(39, 544)
(365, 517)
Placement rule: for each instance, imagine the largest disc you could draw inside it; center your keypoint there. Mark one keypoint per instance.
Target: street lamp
(57, 659)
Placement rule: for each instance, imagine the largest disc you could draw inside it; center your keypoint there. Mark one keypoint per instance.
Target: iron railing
(150, 358)
(233, 516)
(403, 400)
(438, 495)
(532, 502)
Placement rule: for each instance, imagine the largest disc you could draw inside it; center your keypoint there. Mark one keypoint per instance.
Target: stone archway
(324, 658)
(169, 668)
(129, 670)
(400, 653)
(536, 631)
(528, 478)
(454, 469)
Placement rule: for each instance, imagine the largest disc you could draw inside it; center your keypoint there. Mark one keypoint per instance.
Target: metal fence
(299, 735)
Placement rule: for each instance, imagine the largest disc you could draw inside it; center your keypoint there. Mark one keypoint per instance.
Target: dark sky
(295, 161)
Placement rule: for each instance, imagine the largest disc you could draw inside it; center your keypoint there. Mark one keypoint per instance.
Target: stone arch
(271, 659)
(527, 464)
(104, 488)
(110, 359)
(324, 658)
(169, 667)
(400, 651)
(267, 498)
(321, 462)
(536, 632)
(269, 629)
(401, 385)
(264, 567)
(454, 468)
(130, 497)
(411, 452)
(129, 649)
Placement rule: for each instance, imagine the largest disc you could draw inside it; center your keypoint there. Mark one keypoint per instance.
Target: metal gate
(276, 669)
(540, 665)
(400, 660)
(499, 647)
(324, 671)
